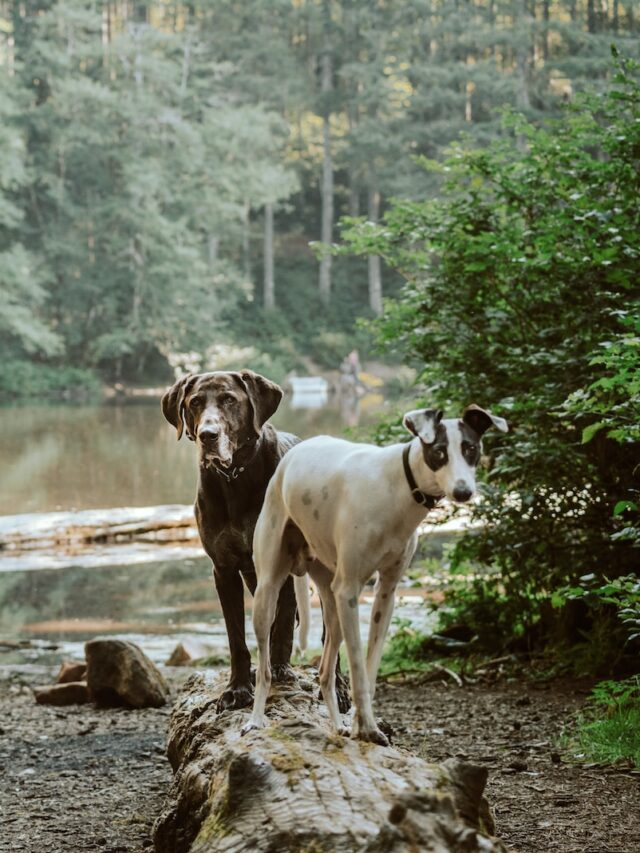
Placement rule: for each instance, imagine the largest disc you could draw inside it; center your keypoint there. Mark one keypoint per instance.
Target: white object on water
(309, 392)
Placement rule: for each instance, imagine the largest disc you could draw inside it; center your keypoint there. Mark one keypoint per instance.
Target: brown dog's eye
(195, 402)
(225, 399)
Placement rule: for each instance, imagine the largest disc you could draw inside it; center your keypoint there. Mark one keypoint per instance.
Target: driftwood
(30, 531)
(296, 786)
(165, 523)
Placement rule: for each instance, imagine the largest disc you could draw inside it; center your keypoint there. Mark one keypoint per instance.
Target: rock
(296, 785)
(71, 670)
(120, 674)
(68, 693)
(188, 651)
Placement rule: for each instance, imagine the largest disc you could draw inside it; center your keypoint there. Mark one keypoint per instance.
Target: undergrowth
(608, 730)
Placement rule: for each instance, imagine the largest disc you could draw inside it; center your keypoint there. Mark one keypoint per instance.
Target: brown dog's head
(221, 411)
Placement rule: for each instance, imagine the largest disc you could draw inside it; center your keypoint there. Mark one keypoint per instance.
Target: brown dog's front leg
(282, 633)
(342, 689)
(239, 692)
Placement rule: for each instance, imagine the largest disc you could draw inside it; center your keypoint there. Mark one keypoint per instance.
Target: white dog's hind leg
(346, 594)
(272, 570)
(301, 585)
(264, 614)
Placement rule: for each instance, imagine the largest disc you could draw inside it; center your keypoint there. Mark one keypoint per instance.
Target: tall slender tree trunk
(354, 190)
(269, 285)
(246, 240)
(213, 244)
(324, 282)
(591, 16)
(522, 57)
(375, 272)
(353, 109)
(545, 34)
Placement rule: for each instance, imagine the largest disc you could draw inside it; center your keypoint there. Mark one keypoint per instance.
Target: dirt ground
(78, 778)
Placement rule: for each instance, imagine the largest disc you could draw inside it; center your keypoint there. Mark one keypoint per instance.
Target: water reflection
(85, 457)
(155, 605)
(91, 457)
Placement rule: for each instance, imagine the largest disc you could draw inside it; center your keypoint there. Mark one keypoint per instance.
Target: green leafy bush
(623, 594)
(521, 286)
(404, 650)
(26, 379)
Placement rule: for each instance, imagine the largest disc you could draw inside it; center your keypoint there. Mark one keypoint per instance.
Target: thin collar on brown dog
(233, 473)
(420, 497)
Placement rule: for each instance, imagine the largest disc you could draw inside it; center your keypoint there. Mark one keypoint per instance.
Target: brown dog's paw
(282, 673)
(342, 693)
(234, 698)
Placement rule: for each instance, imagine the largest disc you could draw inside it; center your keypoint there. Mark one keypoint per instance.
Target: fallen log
(45, 530)
(297, 786)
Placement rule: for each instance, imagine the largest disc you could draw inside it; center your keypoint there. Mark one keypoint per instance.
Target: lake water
(87, 457)
(84, 457)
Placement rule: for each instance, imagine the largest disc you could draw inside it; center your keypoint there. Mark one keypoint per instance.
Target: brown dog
(225, 413)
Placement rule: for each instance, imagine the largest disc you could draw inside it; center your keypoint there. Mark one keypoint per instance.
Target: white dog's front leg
(346, 597)
(332, 641)
(381, 614)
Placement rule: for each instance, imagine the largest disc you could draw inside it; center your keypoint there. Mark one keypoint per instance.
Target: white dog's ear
(423, 423)
(480, 421)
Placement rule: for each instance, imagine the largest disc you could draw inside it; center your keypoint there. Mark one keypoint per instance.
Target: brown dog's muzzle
(213, 438)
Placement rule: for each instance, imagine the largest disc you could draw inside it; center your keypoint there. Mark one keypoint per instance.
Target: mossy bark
(297, 786)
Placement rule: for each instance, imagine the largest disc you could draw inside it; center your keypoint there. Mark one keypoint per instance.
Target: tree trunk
(591, 16)
(354, 191)
(246, 240)
(522, 58)
(213, 244)
(298, 786)
(327, 160)
(375, 274)
(269, 286)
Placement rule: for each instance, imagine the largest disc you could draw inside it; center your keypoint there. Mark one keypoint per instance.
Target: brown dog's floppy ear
(480, 421)
(173, 402)
(264, 397)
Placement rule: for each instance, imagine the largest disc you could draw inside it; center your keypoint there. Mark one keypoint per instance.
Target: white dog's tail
(301, 585)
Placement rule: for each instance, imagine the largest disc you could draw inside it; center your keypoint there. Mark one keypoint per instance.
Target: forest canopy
(164, 166)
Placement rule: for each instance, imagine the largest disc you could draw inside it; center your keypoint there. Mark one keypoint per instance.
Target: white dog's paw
(254, 723)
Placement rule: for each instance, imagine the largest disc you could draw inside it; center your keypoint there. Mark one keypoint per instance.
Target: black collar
(420, 497)
(229, 474)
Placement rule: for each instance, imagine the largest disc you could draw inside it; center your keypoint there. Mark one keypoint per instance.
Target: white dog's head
(451, 447)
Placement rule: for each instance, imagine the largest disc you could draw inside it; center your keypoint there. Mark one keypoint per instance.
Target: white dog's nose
(461, 492)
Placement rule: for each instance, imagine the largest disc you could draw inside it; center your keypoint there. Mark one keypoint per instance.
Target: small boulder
(69, 693)
(120, 674)
(71, 670)
(188, 651)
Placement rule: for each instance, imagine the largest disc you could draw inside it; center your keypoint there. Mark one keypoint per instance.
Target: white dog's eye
(438, 454)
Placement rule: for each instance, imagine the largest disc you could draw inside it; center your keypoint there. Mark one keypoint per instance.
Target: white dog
(342, 511)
